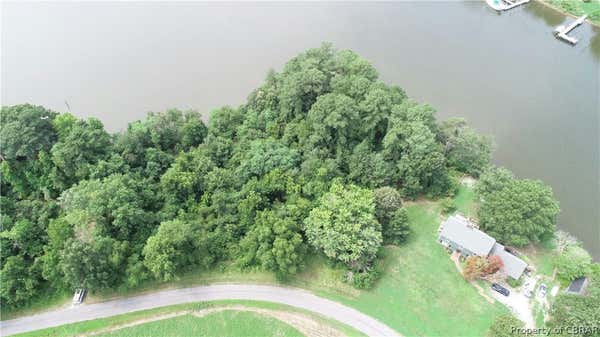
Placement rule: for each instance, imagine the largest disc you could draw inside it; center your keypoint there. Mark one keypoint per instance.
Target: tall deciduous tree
(119, 206)
(18, 284)
(334, 119)
(397, 229)
(26, 130)
(176, 245)
(93, 263)
(84, 145)
(275, 242)
(264, 155)
(367, 167)
(493, 180)
(344, 227)
(521, 212)
(184, 180)
(465, 150)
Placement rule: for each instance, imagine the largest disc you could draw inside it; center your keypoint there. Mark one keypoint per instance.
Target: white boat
(498, 5)
(503, 5)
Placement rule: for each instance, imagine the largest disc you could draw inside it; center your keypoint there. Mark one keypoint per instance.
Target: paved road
(290, 296)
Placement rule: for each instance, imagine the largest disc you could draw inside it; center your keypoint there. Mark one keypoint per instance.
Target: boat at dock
(504, 5)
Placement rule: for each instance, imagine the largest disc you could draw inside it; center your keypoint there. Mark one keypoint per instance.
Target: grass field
(86, 327)
(464, 201)
(577, 8)
(421, 292)
(224, 324)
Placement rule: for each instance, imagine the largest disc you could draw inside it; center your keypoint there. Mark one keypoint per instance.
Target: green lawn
(224, 324)
(421, 292)
(464, 201)
(85, 327)
(578, 8)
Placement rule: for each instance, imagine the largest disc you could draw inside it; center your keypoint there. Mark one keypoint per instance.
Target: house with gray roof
(513, 266)
(459, 234)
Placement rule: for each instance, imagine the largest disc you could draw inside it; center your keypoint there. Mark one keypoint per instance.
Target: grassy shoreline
(595, 23)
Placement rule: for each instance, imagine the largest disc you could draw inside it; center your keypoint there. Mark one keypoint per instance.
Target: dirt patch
(134, 323)
(468, 181)
(307, 325)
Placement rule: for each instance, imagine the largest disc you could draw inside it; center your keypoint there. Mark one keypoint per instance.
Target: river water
(505, 73)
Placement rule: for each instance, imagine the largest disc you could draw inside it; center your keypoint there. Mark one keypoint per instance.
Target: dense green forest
(317, 161)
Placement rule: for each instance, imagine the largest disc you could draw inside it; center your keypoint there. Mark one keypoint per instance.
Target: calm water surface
(505, 73)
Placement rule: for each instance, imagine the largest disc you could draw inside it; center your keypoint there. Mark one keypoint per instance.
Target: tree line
(317, 160)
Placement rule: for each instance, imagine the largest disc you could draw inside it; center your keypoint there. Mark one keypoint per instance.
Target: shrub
(504, 325)
(448, 206)
(365, 279)
(573, 262)
(514, 283)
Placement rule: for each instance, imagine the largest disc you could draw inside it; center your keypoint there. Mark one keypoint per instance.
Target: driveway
(518, 304)
(290, 296)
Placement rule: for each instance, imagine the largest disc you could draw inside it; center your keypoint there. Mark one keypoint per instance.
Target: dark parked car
(500, 289)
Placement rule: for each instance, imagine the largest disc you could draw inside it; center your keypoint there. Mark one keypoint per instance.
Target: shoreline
(561, 11)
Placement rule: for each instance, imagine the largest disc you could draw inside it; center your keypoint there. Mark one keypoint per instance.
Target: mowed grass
(93, 326)
(578, 8)
(226, 323)
(421, 293)
(464, 201)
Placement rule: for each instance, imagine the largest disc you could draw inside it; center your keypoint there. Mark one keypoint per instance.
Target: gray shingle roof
(513, 266)
(577, 285)
(457, 229)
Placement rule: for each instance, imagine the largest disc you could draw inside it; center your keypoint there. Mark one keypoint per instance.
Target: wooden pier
(562, 31)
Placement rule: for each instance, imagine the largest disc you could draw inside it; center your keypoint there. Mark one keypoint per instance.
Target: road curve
(290, 296)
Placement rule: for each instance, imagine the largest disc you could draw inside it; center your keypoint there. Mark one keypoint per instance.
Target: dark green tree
(493, 180)
(275, 243)
(18, 284)
(521, 212)
(119, 206)
(465, 150)
(25, 130)
(367, 167)
(95, 263)
(263, 156)
(75, 155)
(177, 245)
(396, 230)
(184, 180)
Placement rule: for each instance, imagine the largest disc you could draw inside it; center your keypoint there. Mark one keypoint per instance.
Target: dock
(562, 31)
(504, 5)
